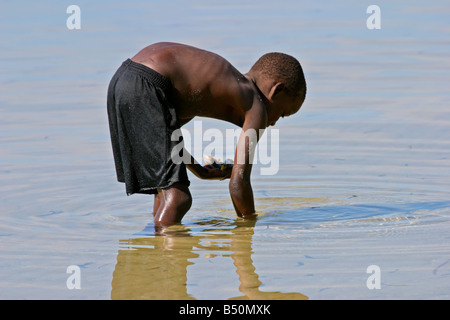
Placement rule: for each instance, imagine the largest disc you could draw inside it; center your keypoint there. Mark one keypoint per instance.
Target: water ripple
(360, 216)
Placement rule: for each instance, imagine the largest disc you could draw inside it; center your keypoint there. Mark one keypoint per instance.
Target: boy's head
(280, 78)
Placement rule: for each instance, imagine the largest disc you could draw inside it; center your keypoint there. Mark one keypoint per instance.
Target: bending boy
(163, 87)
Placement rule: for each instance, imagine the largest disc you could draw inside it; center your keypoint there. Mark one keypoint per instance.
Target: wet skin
(207, 85)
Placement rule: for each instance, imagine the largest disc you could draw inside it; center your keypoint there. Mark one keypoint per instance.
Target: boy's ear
(276, 89)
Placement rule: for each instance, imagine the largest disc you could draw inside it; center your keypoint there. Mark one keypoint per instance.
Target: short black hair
(284, 68)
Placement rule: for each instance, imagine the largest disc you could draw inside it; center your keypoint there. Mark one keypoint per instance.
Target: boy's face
(282, 105)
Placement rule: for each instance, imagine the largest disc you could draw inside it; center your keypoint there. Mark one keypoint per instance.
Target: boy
(163, 87)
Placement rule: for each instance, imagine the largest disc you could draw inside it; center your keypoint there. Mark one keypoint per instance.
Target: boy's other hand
(213, 173)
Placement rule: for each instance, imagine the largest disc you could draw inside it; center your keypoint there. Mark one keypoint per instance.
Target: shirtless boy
(166, 85)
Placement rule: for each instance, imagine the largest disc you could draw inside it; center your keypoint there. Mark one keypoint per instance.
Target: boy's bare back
(206, 84)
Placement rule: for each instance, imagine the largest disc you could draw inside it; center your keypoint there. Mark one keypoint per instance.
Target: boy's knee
(178, 201)
(183, 201)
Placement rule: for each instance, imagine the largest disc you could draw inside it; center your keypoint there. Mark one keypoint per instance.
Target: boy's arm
(240, 187)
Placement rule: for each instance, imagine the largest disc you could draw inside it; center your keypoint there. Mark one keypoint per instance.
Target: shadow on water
(153, 265)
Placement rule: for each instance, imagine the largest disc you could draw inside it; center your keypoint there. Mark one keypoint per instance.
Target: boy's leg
(157, 203)
(174, 202)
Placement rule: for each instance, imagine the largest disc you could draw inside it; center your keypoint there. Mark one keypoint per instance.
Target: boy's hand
(209, 172)
(213, 173)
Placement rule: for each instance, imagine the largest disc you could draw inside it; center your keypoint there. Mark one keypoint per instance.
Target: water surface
(364, 166)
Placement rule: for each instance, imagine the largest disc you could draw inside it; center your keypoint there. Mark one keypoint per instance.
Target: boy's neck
(261, 85)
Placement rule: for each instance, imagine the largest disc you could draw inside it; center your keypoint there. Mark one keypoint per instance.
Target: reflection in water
(155, 266)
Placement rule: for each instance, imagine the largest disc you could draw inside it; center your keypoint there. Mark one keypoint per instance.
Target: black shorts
(141, 122)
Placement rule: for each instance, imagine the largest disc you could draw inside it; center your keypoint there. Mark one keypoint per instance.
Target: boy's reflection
(155, 266)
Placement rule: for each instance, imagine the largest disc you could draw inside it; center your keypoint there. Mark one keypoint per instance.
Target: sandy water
(364, 166)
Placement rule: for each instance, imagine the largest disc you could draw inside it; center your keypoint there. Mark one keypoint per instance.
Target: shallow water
(364, 166)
